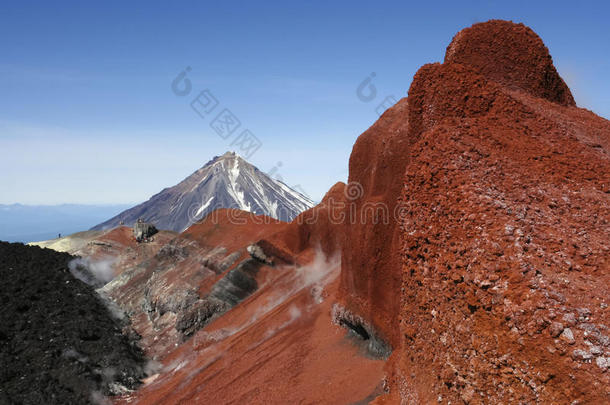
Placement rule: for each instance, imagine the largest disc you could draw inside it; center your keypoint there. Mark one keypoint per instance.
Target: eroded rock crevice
(362, 332)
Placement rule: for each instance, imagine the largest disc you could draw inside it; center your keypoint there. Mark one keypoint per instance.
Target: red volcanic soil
(278, 347)
(281, 344)
(122, 235)
(232, 228)
(120, 246)
(473, 238)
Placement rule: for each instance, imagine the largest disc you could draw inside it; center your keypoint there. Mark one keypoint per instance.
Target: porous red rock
(511, 55)
(503, 200)
(504, 235)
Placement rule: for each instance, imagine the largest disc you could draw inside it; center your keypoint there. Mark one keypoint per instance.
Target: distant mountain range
(29, 223)
(226, 181)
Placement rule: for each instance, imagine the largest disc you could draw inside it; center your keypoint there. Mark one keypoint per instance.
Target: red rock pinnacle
(512, 55)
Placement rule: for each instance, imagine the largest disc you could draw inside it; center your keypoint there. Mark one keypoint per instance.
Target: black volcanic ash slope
(59, 344)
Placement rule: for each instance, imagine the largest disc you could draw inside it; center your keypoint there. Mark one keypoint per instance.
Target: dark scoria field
(59, 344)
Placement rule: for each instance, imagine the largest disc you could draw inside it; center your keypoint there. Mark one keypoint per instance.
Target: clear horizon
(88, 113)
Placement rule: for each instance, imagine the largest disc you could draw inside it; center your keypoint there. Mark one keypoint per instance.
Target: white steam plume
(92, 272)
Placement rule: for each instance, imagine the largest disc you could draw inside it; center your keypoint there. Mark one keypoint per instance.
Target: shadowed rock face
(238, 283)
(199, 314)
(230, 290)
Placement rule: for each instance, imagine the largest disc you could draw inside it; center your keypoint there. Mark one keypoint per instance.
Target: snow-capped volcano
(226, 181)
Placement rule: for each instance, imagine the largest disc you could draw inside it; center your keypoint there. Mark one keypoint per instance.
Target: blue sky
(87, 114)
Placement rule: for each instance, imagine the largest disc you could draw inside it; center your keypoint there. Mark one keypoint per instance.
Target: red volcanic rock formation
(505, 249)
(369, 281)
(501, 188)
(511, 55)
(319, 227)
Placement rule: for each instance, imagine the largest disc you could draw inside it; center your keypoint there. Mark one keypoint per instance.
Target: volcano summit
(226, 181)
